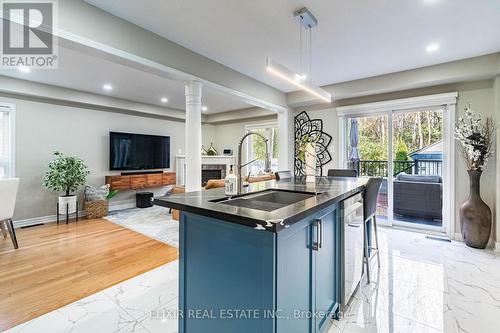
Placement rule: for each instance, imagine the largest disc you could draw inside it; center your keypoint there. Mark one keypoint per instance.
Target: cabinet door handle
(319, 235)
(320, 224)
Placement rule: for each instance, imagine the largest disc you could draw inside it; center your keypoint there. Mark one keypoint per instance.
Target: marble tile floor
(426, 285)
(423, 286)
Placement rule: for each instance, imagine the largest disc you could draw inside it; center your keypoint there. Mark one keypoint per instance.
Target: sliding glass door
(367, 151)
(406, 149)
(417, 151)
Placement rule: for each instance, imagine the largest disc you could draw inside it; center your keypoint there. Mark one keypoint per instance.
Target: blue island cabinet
(233, 278)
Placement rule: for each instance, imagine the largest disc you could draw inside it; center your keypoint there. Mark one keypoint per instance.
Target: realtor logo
(27, 34)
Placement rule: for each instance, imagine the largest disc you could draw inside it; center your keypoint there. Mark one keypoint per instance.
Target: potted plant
(65, 174)
(475, 138)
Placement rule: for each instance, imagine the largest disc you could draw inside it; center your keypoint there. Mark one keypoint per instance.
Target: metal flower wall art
(310, 131)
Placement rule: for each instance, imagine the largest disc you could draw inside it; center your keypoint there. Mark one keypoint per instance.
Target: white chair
(8, 194)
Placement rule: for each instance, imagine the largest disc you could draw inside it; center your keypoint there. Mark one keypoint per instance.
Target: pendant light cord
(310, 54)
(300, 48)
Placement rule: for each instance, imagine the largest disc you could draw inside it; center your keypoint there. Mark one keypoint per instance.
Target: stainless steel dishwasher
(351, 246)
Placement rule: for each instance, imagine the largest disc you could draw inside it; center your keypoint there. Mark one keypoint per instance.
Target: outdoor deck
(372, 168)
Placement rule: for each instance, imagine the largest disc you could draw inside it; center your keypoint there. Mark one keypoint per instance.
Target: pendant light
(302, 81)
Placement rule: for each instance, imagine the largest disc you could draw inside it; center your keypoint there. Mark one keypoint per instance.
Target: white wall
(42, 128)
(208, 135)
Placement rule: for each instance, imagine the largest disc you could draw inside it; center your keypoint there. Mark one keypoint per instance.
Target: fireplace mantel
(180, 165)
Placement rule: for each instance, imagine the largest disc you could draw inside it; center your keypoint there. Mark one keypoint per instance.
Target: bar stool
(369, 215)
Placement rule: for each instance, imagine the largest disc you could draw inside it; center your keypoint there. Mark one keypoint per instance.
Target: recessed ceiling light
(164, 100)
(432, 47)
(24, 69)
(204, 108)
(107, 87)
(431, 1)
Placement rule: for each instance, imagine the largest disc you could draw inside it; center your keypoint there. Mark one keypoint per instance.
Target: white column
(193, 136)
(496, 117)
(286, 140)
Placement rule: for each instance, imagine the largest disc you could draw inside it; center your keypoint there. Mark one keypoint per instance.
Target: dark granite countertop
(331, 189)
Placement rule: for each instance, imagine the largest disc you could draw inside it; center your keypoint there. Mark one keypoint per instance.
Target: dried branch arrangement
(476, 138)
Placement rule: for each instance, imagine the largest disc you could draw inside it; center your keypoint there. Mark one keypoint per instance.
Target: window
(405, 141)
(256, 148)
(6, 151)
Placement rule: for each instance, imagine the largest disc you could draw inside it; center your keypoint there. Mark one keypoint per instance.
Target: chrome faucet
(239, 167)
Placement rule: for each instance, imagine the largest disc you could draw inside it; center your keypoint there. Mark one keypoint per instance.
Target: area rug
(154, 222)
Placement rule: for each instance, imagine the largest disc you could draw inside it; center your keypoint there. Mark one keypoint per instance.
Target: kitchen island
(266, 261)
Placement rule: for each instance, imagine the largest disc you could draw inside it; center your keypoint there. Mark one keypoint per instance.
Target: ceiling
(85, 72)
(354, 39)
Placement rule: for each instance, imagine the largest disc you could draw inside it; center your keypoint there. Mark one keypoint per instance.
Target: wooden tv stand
(140, 181)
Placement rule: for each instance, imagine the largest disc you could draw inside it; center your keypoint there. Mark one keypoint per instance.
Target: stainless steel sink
(266, 200)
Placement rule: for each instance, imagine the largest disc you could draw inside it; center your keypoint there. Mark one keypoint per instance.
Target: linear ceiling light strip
(295, 79)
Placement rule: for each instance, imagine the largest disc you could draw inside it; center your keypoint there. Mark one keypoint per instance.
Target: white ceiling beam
(237, 115)
(472, 69)
(78, 98)
(55, 94)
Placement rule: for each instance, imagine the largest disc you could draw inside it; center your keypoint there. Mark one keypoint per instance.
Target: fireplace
(206, 175)
(221, 163)
(212, 171)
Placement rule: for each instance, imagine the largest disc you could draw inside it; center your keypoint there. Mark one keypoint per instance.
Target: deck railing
(379, 168)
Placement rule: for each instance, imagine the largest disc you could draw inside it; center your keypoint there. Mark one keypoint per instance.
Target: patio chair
(418, 196)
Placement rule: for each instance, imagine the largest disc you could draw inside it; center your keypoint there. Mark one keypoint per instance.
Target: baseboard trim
(118, 205)
(497, 248)
(458, 237)
(44, 219)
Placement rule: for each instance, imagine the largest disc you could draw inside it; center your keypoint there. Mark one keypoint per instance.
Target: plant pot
(310, 161)
(67, 202)
(96, 209)
(475, 215)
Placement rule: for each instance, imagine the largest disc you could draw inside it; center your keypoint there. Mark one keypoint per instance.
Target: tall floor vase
(475, 215)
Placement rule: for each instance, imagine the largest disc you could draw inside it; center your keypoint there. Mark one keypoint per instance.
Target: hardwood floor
(58, 264)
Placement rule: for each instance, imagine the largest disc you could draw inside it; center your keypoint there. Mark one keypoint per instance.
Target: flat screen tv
(129, 151)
